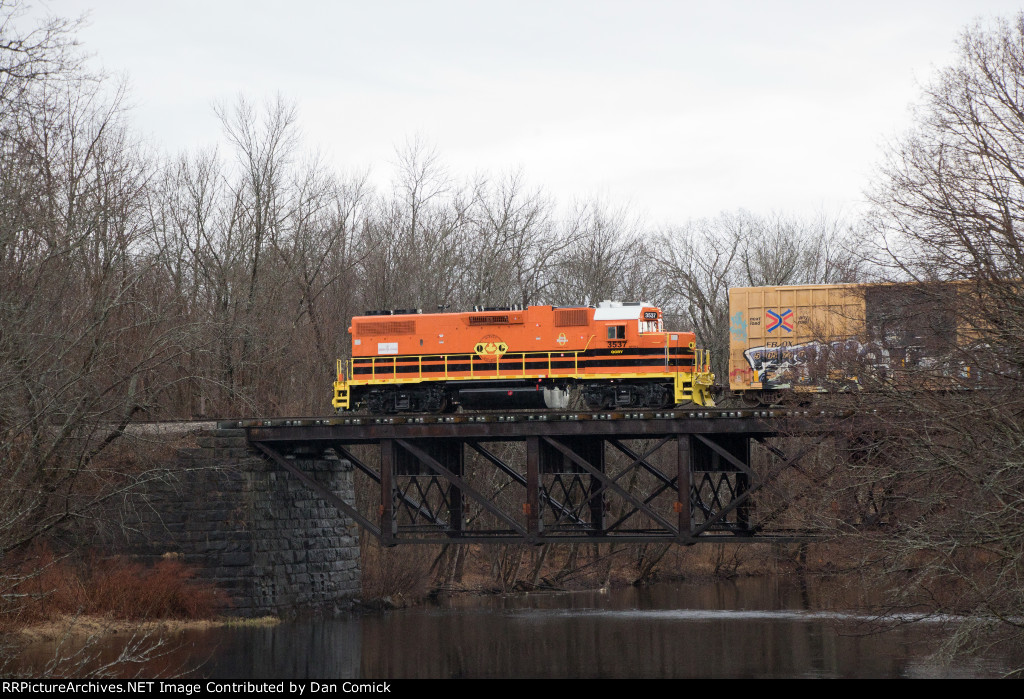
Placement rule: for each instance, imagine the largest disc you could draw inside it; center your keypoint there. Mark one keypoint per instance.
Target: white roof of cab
(609, 310)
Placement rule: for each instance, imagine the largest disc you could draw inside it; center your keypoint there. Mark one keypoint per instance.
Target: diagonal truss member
(693, 487)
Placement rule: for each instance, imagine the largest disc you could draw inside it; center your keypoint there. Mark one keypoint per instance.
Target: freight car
(618, 355)
(786, 340)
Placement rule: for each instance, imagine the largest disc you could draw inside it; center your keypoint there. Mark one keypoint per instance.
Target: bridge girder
(629, 477)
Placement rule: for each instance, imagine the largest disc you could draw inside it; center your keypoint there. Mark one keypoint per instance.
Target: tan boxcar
(817, 338)
(778, 334)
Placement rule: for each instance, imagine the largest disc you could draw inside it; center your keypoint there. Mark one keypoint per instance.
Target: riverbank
(81, 627)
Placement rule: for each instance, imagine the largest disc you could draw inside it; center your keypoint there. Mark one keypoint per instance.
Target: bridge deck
(511, 425)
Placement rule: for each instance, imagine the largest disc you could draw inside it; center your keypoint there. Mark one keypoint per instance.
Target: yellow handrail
(387, 367)
(415, 363)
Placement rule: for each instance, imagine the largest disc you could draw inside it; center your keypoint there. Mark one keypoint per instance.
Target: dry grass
(45, 588)
(93, 626)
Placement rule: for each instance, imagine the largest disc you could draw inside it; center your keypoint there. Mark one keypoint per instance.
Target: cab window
(616, 332)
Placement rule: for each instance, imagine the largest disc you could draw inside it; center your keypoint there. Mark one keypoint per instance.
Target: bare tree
(702, 260)
(320, 252)
(29, 58)
(948, 208)
(515, 244)
(606, 260)
(261, 254)
(771, 252)
(698, 264)
(832, 251)
(414, 241)
(85, 334)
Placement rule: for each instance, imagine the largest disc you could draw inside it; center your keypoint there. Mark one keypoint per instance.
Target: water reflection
(294, 650)
(753, 628)
(593, 637)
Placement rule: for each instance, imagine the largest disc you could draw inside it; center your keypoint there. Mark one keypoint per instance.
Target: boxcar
(827, 338)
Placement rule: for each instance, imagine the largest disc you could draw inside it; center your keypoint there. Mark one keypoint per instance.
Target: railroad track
(509, 416)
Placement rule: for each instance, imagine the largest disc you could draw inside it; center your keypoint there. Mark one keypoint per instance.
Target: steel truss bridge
(682, 476)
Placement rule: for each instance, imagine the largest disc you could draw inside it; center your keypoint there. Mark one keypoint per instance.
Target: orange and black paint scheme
(618, 355)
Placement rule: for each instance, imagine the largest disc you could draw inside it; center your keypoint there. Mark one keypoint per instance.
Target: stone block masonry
(251, 527)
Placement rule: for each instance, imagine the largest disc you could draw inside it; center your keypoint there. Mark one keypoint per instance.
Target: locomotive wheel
(430, 399)
(749, 399)
(441, 405)
(376, 403)
(595, 397)
(662, 397)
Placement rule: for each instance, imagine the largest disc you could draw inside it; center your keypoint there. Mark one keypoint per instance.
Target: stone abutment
(249, 526)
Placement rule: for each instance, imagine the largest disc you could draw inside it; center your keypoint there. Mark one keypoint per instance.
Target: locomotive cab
(645, 366)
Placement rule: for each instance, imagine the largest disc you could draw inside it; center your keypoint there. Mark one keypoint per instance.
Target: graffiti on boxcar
(738, 329)
(815, 363)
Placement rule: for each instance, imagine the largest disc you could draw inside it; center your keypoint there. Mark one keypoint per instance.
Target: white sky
(676, 109)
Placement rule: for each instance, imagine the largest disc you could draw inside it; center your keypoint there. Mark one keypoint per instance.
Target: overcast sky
(677, 109)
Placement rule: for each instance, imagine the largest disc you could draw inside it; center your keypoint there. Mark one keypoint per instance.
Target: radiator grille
(488, 320)
(571, 317)
(386, 327)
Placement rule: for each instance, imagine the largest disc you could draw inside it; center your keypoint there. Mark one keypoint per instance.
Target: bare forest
(140, 285)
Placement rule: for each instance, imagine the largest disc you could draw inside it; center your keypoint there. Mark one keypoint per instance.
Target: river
(762, 627)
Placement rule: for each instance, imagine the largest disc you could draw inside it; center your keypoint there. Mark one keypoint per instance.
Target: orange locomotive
(618, 354)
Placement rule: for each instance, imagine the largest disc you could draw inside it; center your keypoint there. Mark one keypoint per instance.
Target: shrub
(45, 587)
